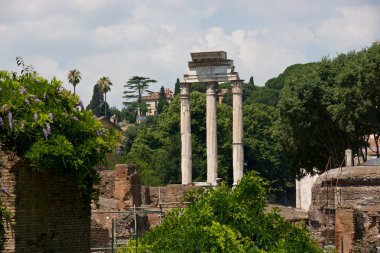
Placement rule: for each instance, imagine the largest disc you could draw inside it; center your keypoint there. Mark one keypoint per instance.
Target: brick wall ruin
(345, 208)
(120, 190)
(49, 212)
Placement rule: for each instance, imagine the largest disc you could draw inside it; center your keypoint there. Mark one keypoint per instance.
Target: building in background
(151, 100)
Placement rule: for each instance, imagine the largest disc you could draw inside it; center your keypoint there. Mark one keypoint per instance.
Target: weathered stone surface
(211, 134)
(145, 195)
(48, 209)
(210, 67)
(336, 196)
(107, 183)
(120, 189)
(99, 235)
(303, 191)
(127, 186)
(237, 131)
(186, 146)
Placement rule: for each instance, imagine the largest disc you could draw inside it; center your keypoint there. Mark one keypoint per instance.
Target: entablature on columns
(210, 67)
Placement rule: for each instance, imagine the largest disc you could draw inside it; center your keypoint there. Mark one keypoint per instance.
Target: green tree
(227, 98)
(355, 96)
(329, 106)
(40, 123)
(74, 77)
(135, 88)
(104, 84)
(251, 82)
(263, 95)
(118, 114)
(96, 102)
(177, 87)
(225, 220)
(162, 101)
(279, 81)
(248, 89)
(261, 148)
(200, 87)
(308, 132)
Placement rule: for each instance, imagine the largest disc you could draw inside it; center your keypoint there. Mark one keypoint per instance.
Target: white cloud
(350, 28)
(253, 54)
(48, 67)
(88, 6)
(55, 27)
(121, 34)
(120, 39)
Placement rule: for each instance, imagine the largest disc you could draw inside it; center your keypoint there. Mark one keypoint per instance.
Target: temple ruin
(211, 68)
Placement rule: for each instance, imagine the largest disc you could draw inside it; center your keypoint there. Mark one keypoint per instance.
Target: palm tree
(104, 84)
(74, 77)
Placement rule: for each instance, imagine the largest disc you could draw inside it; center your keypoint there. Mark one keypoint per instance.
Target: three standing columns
(237, 131)
(211, 133)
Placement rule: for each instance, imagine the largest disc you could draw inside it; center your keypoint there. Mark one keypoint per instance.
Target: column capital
(211, 88)
(237, 86)
(185, 89)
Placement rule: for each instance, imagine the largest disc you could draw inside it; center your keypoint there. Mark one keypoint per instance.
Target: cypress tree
(177, 87)
(162, 102)
(97, 102)
(251, 82)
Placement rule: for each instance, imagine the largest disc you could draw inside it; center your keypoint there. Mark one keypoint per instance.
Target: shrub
(46, 124)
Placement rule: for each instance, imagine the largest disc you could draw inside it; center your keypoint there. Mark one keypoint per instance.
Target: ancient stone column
(237, 131)
(348, 153)
(211, 131)
(186, 163)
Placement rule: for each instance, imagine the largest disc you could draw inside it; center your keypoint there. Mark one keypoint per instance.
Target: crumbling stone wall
(127, 186)
(338, 196)
(49, 211)
(107, 184)
(119, 189)
(171, 195)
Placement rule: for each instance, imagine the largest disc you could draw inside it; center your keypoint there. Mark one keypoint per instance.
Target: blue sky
(123, 38)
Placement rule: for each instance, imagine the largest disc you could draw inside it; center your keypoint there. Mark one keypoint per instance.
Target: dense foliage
(329, 106)
(155, 145)
(46, 124)
(225, 220)
(304, 118)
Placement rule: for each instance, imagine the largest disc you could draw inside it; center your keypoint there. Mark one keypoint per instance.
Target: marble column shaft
(186, 150)
(237, 132)
(211, 134)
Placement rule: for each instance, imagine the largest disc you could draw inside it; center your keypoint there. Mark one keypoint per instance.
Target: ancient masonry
(120, 190)
(50, 214)
(345, 209)
(211, 68)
